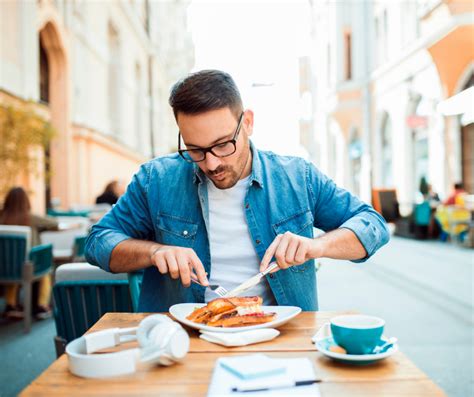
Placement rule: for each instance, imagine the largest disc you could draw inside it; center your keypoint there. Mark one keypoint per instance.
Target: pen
(244, 389)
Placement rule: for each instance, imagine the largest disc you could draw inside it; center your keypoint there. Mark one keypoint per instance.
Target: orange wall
(452, 55)
(97, 161)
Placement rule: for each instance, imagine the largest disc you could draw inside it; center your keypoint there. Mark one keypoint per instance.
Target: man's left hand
(289, 250)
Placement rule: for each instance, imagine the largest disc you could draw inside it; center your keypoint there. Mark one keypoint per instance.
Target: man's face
(216, 126)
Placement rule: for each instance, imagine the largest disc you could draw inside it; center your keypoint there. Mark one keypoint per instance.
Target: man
(221, 210)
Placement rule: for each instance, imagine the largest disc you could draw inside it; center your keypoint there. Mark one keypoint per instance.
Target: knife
(251, 282)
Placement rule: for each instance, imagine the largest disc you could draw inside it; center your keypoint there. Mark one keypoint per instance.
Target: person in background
(432, 197)
(457, 191)
(111, 194)
(17, 211)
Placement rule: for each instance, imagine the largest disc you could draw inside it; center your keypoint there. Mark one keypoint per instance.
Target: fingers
(172, 264)
(181, 263)
(270, 252)
(184, 269)
(288, 249)
(198, 268)
(280, 253)
(293, 245)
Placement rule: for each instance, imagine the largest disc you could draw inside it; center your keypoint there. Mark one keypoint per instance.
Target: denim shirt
(167, 202)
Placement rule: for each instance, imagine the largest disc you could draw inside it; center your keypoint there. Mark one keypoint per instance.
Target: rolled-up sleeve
(337, 208)
(129, 218)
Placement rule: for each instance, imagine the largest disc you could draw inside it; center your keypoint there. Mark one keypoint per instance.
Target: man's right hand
(179, 262)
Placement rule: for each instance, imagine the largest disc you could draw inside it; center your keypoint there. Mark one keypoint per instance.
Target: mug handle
(323, 333)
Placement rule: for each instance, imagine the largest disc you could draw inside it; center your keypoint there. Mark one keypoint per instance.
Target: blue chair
(135, 284)
(79, 248)
(20, 265)
(82, 295)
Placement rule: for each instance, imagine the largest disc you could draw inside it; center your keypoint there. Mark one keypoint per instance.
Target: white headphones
(161, 341)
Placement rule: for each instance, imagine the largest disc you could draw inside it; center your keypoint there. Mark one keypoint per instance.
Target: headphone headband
(161, 340)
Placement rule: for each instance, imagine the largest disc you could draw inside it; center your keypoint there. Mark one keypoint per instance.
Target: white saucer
(358, 359)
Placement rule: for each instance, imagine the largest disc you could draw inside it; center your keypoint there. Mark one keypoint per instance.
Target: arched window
(44, 73)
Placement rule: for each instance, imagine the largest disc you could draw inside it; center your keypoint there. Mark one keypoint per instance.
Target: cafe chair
(135, 285)
(21, 265)
(82, 295)
(78, 249)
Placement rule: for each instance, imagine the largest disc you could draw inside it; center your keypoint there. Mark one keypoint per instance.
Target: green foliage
(21, 131)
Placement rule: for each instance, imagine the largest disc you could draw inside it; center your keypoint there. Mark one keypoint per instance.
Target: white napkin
(240, 338)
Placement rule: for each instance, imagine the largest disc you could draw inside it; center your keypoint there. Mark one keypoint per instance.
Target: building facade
(101, 73)
(381, 69)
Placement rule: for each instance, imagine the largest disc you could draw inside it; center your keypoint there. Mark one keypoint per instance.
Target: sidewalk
(424, 292)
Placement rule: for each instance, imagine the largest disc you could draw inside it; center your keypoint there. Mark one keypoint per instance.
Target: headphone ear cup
(144, 336)
(162, 340)
(178, 344)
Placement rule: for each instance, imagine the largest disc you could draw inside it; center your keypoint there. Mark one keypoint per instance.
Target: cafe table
(394, 376)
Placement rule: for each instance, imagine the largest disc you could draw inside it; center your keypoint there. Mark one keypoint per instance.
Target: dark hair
(459, 185)
(16, 208)
(110, 188)
(203, 91)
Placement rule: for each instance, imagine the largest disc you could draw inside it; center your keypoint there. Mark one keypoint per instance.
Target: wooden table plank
(396, 376)
(295, 335)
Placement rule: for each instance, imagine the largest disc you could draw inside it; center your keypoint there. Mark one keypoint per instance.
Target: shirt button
(247, 205)
(185, 233)
(258, 241)
(270, 275)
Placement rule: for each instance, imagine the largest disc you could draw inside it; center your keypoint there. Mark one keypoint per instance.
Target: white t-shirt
(233, 256)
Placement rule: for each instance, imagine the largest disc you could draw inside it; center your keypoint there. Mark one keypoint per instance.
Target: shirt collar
(255, 175)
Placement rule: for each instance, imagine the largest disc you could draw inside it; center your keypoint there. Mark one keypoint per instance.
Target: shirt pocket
(300, 223)
(173, 230)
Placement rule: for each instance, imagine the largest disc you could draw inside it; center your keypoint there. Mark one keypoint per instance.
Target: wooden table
(395, 376)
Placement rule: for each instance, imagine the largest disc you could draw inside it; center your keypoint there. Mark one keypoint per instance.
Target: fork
(217, 289)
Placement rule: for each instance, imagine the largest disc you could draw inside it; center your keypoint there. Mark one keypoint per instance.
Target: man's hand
(179, 262)
(290, 249)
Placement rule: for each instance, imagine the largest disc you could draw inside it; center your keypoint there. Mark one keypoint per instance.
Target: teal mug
(356, 333)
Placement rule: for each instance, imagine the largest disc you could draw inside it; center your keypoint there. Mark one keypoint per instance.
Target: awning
(459, 104)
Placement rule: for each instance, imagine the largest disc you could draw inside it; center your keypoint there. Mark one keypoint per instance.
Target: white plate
(283, 314)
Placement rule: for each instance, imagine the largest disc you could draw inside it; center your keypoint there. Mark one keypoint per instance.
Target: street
(424, 291)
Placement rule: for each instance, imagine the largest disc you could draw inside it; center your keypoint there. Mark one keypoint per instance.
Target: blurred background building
(101, 73)
(375, 76)
(365, 81)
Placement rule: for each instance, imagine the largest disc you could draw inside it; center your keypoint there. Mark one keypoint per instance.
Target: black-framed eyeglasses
(222, 149)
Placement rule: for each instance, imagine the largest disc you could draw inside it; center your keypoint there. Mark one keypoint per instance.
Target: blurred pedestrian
(432, 197)
(111, 194)
(458, 191)
(17, 211)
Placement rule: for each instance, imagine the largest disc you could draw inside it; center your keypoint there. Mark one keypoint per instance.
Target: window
(348, 55)
(113, 80)
(44, 73)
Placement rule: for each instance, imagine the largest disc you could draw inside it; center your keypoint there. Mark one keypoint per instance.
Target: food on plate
(232, 312)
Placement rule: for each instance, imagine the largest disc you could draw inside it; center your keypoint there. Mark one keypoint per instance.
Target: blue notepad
(252, 366)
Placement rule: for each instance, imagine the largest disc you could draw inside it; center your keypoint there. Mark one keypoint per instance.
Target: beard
(230, 175)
